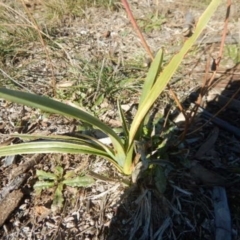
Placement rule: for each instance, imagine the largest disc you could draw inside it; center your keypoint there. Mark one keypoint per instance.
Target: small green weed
(101, 83)
(233, 51)
(56, 10)
(152, 22)
(57, 180)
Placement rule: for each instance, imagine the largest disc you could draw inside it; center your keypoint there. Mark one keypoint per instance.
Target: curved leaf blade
(169, 71)
(152, 75)
(56, 147)
(52, 106)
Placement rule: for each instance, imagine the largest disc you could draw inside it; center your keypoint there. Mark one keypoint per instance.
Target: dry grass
(27, 38)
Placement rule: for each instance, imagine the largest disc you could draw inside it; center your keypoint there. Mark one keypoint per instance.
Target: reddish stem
(134, 23)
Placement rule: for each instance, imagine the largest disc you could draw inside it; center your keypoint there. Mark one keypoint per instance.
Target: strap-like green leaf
(169, 70)
(123, 121)
(152, 75)
(52, 106)
(56, 147)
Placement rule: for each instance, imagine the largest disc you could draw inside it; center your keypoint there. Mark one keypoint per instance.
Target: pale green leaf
(170, 70)
(81, 139)
(42, 185)
(153, 73)
(79, 181)
(69, 174)
(55, 147)
(123, 121)
(58, 171)
(42, 175)
(52, 106)
(50, 147)
(127, 169)
(58, 198)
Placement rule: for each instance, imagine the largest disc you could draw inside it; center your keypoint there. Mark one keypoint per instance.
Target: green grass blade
(49, 147)
(127, 168)
(52, 106)
(123, 121)
(169, 70)
(55, 147)
(152, 75)
(82, 139)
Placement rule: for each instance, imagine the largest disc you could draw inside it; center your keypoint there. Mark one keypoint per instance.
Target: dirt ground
(94, 59)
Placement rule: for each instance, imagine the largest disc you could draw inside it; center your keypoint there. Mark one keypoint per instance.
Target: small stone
(107, 34)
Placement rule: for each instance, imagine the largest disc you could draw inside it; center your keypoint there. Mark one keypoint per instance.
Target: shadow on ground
(207, 158)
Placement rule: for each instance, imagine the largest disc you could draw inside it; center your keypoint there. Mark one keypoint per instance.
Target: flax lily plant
(121, 151)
